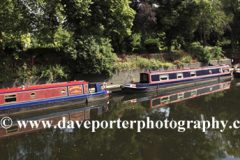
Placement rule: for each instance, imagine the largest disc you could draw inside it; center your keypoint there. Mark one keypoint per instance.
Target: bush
(142, 62)
(217, 52)
(204, 55)
(155, 64)
(93, 55)
(152, 45)
(187, 59)
(177, 62)
(195, 46)
(123, 66)
(167, 64)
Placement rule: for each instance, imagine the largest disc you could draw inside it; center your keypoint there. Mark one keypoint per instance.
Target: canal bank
(114, 81)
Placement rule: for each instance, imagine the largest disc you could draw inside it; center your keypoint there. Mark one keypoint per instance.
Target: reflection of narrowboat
(49, 94)
(79, 114)
(184, 95)
(152, 81)
(180, 95)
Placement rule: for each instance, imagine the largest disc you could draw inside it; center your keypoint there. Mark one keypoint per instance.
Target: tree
(145, 19)
(212, 19)
(176, 18)
(231, 8)
(93, 55)
(115, 18)
(13, 20)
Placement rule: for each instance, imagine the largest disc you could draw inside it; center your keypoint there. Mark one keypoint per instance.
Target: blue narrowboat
(46, 95)
(236, 72)
(153, 81)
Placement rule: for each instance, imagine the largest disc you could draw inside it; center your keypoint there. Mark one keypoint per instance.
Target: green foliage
(217, 51)
(224, 42)
(85, 33)
(187, 59)
(152, 45)
(195, 46)
(141, 63)
(176, 18)
(204, 55)
(136, 41)
(56, 70)
(177, 42)
(155, 64)
(93, 55)
(212, 18)
(14, 23)
(167, 64)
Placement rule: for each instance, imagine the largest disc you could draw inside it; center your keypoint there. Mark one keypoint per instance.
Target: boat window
(10, 98)
(33, 95)
(165, 100)
(164, 77)
(194, 93)
(193, 74)
(210, 71)
(12, 129)
(220, 70)
(179, 75)
(144, 78)
(210, 88)
(225, 70)
(226, 85)
(180, 96)
(63, 91)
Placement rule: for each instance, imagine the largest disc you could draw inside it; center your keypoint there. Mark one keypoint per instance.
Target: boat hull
(56, 101)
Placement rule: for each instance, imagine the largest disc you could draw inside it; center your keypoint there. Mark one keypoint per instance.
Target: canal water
(214, 100)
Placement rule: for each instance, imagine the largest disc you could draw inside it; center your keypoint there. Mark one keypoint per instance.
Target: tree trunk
(1, 42)
(143, 37)
(201, 37)
(119, 46)
(204, 37)
(53, 37)
(168, 42)
(232, 41)
(204, 41)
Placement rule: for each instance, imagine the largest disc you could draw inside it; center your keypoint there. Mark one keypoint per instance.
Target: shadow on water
(216, 99)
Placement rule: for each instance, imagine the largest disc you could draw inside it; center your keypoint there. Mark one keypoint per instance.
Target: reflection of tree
(129, 144)
(223, 106)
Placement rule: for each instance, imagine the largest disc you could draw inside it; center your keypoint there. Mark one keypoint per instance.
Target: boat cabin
(178, 75)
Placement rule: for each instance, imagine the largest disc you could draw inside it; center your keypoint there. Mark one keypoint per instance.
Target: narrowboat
(51, 94)
(152, 81)
(236, 72)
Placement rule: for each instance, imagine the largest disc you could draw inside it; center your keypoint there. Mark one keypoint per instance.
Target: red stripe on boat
(52, 85)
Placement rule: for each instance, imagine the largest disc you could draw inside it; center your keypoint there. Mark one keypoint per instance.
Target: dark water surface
(123, 144)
